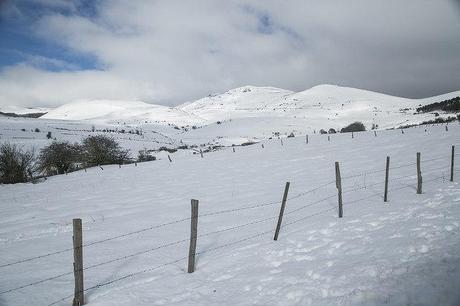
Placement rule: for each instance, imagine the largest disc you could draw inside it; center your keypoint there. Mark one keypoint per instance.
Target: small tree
(354, 127)
(322, 131)
(59, 157)
(16, 165)
(332, 131)
(145, 156)
(103, 150)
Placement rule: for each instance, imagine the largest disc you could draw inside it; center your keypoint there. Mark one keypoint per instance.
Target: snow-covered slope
(247, 101)
(403, 252)
(322, 106)
(128, 111)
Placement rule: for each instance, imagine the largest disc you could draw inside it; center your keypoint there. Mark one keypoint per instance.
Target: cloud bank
(169, 52)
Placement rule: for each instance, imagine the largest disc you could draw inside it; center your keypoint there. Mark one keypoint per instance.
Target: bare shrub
(16, 164)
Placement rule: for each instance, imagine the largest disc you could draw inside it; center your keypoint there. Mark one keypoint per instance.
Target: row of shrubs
(19, 166)
(353, 127)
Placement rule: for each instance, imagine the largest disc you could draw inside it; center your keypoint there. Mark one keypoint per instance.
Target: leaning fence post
(193, 234)
(170, 160)
(338, 183)
(283, 205)
(79, 298)
(387, 172)
(452, 164)
(419, 175)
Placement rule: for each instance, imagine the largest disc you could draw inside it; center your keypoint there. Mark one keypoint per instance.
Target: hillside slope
(321, 106)
(136, 227)
(127, 111)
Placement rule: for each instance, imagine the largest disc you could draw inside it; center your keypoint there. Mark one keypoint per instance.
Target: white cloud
(172, 51)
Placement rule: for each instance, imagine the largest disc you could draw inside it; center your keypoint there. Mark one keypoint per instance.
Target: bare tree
(103, 150)
(16, 165)
(59, 157)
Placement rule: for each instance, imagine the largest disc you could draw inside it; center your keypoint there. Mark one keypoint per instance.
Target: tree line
(451, 105)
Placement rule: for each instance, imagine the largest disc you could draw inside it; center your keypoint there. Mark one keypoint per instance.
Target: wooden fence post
(170, 160)
(282, 142)
(328, 138)
(338, 183)
(283, 205)
(375, 133)
(79, 298)
(193, 234)
(447, 129)
(387, 172)
(419, 175)
(452, 164)
(201, 153)
(306, 139)
(352, 136)
(233, 150)
(263, 146)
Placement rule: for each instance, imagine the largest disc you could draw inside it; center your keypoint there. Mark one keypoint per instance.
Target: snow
(404, 252)
(116, 111)
(320, 107)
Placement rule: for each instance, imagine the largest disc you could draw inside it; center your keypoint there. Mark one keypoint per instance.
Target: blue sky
(169, 52)
(19, 41)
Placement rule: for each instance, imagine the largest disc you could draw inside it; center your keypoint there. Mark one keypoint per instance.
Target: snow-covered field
(136, 226)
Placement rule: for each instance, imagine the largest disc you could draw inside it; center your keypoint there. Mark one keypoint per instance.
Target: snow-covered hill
(136, 227)
(323, 106)
(122, 111)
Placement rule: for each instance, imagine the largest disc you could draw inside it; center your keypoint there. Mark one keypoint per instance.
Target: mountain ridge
(324, 102)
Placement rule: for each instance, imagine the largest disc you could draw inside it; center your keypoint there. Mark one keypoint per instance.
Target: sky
(53, 52)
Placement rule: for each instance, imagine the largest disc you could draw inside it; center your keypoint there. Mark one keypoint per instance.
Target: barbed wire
(121, 278)
(215, 232)
(309, 216)
(136, 254)
(96, 242)
(311, 190)
(310, 204)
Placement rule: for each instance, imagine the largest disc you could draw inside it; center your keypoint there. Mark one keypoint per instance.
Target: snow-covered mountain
(322, 106)
(317, 105)
(127, 111)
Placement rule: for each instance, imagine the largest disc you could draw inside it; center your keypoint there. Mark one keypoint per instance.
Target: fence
(344, 185)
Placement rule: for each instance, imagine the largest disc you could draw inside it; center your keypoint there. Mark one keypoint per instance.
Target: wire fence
(295, 210)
